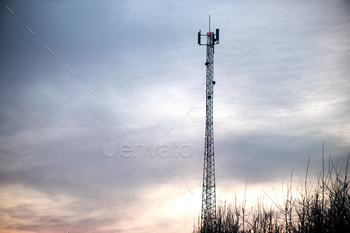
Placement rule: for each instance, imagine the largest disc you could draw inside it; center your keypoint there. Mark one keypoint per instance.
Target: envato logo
(145, 150)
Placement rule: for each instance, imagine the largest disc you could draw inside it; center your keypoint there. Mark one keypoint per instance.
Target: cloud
(141, 61)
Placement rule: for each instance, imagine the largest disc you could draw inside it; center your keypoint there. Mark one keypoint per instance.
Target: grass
(324, 208)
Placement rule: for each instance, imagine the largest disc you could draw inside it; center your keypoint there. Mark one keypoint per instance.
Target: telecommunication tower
(208, 215)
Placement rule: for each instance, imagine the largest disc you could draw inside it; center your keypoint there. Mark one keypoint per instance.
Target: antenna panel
(217, 35)
(199, 37)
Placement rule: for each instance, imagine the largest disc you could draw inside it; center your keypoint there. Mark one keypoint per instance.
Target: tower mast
(208, 215)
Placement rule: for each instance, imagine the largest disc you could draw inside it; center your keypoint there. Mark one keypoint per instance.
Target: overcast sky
(83, 82)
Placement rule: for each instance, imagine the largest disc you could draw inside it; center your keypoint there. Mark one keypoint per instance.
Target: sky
(102, 104)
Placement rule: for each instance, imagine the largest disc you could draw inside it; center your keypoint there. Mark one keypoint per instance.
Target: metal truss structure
(208, 215)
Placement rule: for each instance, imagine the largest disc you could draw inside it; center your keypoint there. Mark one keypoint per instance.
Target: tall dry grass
(324, 208)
